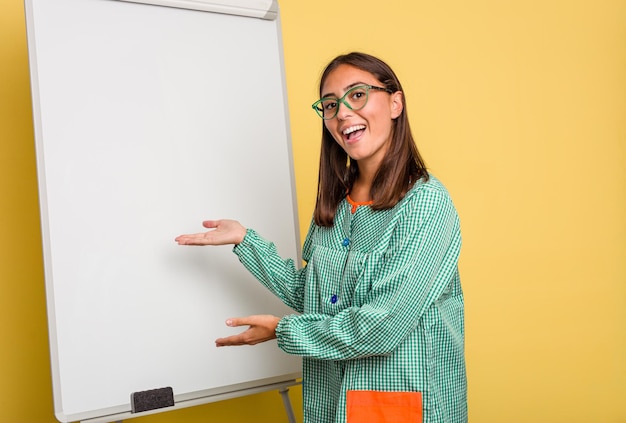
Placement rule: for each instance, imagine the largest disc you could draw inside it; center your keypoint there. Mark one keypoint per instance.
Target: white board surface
(148, 120)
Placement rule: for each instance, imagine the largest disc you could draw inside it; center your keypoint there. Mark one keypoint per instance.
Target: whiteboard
(149, 119)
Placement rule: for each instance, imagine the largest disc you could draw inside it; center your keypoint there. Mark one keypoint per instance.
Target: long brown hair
(399, 170)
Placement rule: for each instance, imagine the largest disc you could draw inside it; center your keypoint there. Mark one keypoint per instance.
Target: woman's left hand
(261, 328)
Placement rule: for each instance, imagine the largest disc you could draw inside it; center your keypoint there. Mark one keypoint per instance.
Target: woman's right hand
(223, 232)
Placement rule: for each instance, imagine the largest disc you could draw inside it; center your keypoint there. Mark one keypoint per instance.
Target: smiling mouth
(352, 132)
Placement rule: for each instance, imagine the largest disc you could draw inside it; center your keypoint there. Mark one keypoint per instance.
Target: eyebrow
(354, 84)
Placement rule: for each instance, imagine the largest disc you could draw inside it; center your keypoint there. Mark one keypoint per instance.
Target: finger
(230, 341)
(183, 238)
(191, 239)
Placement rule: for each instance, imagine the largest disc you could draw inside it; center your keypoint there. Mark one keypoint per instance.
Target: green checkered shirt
(381, 304)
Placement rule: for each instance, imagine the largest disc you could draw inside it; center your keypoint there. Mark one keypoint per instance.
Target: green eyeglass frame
(354, 99)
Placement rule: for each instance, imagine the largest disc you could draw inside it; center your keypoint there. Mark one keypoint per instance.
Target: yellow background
(519, 107)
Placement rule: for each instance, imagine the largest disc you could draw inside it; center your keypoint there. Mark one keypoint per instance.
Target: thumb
(237, 321)
(210, 224)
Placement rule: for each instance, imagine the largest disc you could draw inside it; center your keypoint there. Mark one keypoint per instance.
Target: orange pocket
(384, 407)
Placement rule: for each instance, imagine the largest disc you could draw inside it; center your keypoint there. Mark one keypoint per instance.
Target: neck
(362, 186)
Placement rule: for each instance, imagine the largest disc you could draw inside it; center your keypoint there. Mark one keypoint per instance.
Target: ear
(396, 104)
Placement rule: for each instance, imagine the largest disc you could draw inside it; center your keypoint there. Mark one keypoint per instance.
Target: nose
(343, 110)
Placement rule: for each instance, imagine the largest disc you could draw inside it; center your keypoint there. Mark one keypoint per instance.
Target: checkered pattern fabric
(381, 304)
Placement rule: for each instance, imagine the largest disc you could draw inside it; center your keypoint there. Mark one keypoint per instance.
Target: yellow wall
(518, 106)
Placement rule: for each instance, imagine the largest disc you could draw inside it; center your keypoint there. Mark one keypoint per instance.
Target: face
(364, 134)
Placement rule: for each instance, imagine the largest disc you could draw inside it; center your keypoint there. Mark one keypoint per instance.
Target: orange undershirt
(356, 204)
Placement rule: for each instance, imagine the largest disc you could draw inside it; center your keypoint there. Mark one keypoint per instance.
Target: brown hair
(399, 170)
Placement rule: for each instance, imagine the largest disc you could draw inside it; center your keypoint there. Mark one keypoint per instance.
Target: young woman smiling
(381, 315)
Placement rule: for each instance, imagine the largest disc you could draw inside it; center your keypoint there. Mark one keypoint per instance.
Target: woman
(381, 328)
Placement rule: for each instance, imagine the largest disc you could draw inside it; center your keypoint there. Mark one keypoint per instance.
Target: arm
(257, 255)
(418, 266)
(280, 276)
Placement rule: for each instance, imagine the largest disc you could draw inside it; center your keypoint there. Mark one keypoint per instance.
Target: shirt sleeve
(420, 262)
(280, 276)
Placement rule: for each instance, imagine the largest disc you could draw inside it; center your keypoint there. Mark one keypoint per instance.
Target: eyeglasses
(354, 99)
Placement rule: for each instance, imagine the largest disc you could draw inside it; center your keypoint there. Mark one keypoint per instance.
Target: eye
(358, 94)
(329, 105)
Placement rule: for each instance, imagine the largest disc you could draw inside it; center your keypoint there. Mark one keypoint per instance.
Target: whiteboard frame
(263, 9)
(200, 400)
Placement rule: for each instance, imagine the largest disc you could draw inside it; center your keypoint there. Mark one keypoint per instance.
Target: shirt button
(333, 299)
(345, 242)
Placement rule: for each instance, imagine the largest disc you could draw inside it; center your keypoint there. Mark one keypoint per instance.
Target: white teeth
(351, 129)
